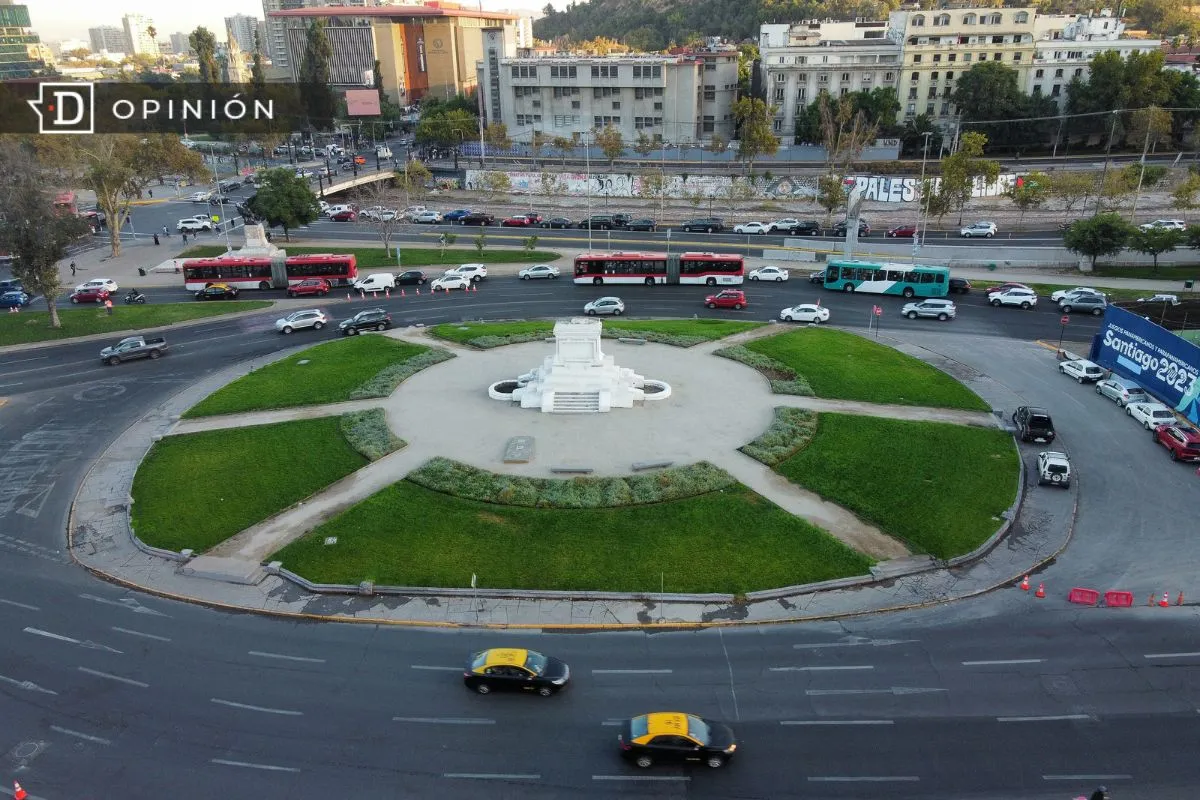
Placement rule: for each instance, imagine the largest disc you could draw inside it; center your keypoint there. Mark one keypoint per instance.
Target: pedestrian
(156, 238)
(72, 268)
(185, 237)
(151, 193)
(108, 305)
(166, 232)
(1100, 794)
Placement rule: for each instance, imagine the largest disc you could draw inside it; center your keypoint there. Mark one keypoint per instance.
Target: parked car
(310, 318)
(93, 294)
(345, 215)
(538, 271)
(375, 282)
(1150, 414)
(932, 309)
(1182, 443)
(133, 347)
(641, 224)
(769, 273)
(475, 272)
(1020, 298)
(704, 225)
(456, 215)
(427, 218)
(1059, 294)
(605, 305)
(796, 227)
(1093, 304)
(752, 228)
(621, 220)
(217, 291)
(476, 218)
(14, 299)
(1033, 424)
(1169, 299)
(1122, 391)
(412, 277)
(311, 286)
(1004, 287)
(372, 319)
(727, 298)
(1165, 224)
(11, 284)
(959, 286)
(817, 277)
(1082, 370)
(978, 229)
(902, 231)
(449, 282)
(805, 312)
(597, 222)
(676, 738)
(1054, 468)
(219, 199)
(107, 284)
(518, 221)
(863, 228)
(556, 222)
(512, 669)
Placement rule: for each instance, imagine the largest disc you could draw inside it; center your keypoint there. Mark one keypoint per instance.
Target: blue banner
(1166, 365)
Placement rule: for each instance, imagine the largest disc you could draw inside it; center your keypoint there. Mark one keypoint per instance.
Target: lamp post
(923, 205)
(587, 161)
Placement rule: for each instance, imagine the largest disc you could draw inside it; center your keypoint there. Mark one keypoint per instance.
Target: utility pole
(587, 160)
(1142, 173)
(1112, 131)
(923, 205)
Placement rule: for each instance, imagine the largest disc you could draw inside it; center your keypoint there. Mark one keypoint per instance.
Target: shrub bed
(790, 431)
(386, 381)
(368, 432)
(783, 379)
(462, 480)
(680, 333)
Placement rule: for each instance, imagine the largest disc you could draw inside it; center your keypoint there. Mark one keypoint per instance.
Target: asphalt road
(107, 692)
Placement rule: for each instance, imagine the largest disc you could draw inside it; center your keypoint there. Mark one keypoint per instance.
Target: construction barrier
(1087, 597)
(1118, 599)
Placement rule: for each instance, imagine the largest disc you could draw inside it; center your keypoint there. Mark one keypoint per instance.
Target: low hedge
(386, 380)
(790, 431)
(368, 433)
(783, 379)
(462, 480)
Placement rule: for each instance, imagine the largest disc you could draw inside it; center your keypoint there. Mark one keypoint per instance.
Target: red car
(344, 216)
(522, 220)
(317, 286)
(1004, 287)
(905, 231)
(93, 294)
(1182, 443)
(727, 298)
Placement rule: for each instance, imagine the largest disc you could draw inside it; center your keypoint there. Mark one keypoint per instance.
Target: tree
(962, 170)
(1192, 236)
(831, 194)
(989, 91)
(738, 191)
(446, 128)
(1101, 235)
(1148, 128)
(1114, 189)
(1029, 191)
(1184, 195)
(611, 143)
(643, 145)
(1154, 241)
(495, 136)
(413, 179)
(319, 102)
(717, 145)
(550, 185)
(258, 73)
(495, 183)
(653, 185)
(844, 132)
(748, 53)
(912, 137)
(379, 193)
(283, 200)
(935, 202)
(1070, 187)
(756, 132)
(204, 45)
(536, 143)
(33, 231)
(564, 145)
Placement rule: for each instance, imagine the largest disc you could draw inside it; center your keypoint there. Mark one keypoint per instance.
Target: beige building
(941, 44)
(1065, 44)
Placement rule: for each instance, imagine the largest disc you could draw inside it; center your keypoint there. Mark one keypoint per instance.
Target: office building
(275, 38)
(137, 34)
(108, 39)
(22, 54)
(180, 43)
(242, 27)
(1065, 44)
(801, 60)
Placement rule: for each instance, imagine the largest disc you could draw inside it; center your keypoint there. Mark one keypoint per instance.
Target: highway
(104, 691)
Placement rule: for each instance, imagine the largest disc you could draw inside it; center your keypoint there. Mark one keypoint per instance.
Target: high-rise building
(108, 39)
(275, 41)
(180, 43)
(242, 27)
(137, 32)
(21, 50)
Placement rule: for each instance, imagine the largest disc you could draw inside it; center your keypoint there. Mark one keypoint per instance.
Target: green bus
(909, 280)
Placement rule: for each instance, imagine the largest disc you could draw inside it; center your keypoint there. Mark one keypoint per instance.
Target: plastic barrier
(1118, 599)
(1087, 597)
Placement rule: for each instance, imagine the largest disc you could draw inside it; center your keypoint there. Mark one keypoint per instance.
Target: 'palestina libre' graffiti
(875, 188)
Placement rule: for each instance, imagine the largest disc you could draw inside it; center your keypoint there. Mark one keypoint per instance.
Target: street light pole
(587, 160)
(923, 204)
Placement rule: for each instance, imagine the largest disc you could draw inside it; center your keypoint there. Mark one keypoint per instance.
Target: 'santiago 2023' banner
(1166, 365)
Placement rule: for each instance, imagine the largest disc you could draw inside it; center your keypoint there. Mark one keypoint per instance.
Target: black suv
(621, 220)
(806, 227)
(863, 228)
(960, 286)
(1034, 424)
(598, 222)
(411, 277)
(707, 225)
(645, 224)
(373, 319)
(476, 218)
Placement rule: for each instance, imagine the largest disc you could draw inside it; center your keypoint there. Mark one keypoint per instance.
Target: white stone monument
(257, 243)
(579, 378)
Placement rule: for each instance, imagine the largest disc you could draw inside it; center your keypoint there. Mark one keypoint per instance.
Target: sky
(70, 19)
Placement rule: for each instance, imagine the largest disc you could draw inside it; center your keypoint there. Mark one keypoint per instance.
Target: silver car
(605, 305)
(539, 271)
(934, 309)
(311, 318)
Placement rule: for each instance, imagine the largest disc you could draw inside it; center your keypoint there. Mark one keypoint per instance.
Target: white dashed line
(117, 678)
(282, 657)
(143, 635)
(631, 672)
(1057, 718)
(446, 720)
(49, 635)
(281, 711)
(1003, 663)
(15, 604)
(677, 778)
(28, 686)
(1171, 655)
(1087, 777)
(865, 779)
(836, 722)
(819, 669)
(252, 765)
(86, 737)
(435, 669)
(491, 776)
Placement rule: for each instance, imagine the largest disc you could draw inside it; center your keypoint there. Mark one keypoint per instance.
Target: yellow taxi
(514, 669)
(676, 737)
(217, 291)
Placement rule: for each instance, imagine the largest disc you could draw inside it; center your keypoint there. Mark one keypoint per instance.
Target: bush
(789, 432)
(783, 379)
(676, 339)
(368, 433)
(462, 480)
(488, 342)
(386, 381)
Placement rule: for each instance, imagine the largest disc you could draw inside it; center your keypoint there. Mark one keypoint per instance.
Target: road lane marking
(23, 360)
(432, 668)
(15, 604)
(28, 686)
(49, 635)
(85, 736)
(1171, 655)
(143, 635)
(281, 656)
(492, 776)
(281, 711)
(737, 714)
(1056, 718)
(252, 765)
(836, 722)
(677, 778)
(609, 723)
(9, 386)
(857, 641)
(896, 690)
(1087, 777)
(631, 672)
(864, 779)
(818, 669)
(127, 603)
(112, 677)
(447, 720)
(1001, 663)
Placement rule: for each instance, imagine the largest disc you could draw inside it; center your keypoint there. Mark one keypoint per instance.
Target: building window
(945, 109)
(604, 71)
(616, 105)
(709, 124)
(912, 108)
(997, 56)
(1039, 73)
(967, 57)
(933, 91)
(778, 95)
(1016, 56)
(536, 104)
(780, 77)
(658, 106)
(933, 76)
(1037, 89)
(574, 104)
(915, 76)
(917, 58)
(937, 58)
(1055, 91)
(710, 66)
(953, 57)
(941, 19)
(868, 77)
(802, 95)
(524, 72)
(1058, 73)
(647, 71)
(777, 125)
(563, 72)
(565, 120)
(918, 21)
(1079, 73)
(1022, 17)
(710, 95)
(997, 40)
(969, 19)
(912, 93)
(822, 79)
(997, 19)
(929, 109)
(889, 76)
(845, 77)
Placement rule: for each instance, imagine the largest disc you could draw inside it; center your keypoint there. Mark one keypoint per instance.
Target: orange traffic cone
(474, 288)
(1179, 600)
(18, 792)
(1025, 584)
(347, 295)
(1165, 601)
(1041, 590)
(402, 293)
(387, 293)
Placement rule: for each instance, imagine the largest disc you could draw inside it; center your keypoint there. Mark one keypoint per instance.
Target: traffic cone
(348, 296)
(1165, 601)
(1041, 590)
(474, 287)
(1025, 584)
(387, 293)
(418, 291)
(402, 293)
(1179, 600)
(18, 792)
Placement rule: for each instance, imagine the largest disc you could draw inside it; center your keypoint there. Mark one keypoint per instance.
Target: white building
(243, 27)
(801, 60)
(108, 38)
(1065, 44)
(180, 43)
(69, 45)
(137, 33)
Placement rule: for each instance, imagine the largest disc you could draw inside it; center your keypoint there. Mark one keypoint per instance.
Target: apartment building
(941, 44)
(244, 29)
(801, 60)
(137, 33)
(1065, 44)
(108, 39)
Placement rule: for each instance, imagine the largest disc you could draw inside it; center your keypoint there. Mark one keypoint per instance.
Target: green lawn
(1191, 336)
(1165, 272)
(372, 257)
(848, 367)
(406, 535)
(940, 488)
(197, 490)
(691, 330)
(34, 326)
(332, 372)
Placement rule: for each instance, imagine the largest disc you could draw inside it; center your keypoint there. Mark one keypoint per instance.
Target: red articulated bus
(708, 269)
(259, 272)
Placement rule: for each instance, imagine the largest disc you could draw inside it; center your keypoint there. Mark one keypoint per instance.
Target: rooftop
(395, 12)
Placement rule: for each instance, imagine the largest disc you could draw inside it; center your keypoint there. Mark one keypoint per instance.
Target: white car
(941, 310)
(427, 217)
(984, 229)
(476, 272)
(1082, 370)
(451, 280)
(1022, 298)
(1169, 299)
(1165, 224)
(1151, 415)
(805, 312)
(752, 227)
(193, 225)
(605, 305)
(1059, 294)
(769, 274)
(376, 282)
(783, 224)
(311, 318)
(412, 211)
(107, 284)
(378, 214)
(199, 197)
(538, 271)
(1054, 468)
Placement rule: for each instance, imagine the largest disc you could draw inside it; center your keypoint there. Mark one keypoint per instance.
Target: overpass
(364, 177)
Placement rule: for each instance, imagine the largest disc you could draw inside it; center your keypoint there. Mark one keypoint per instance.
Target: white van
(376, 282)
(383, 151)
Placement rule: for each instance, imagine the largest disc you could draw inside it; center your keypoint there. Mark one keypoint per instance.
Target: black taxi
(513, 669)
(675, 737)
